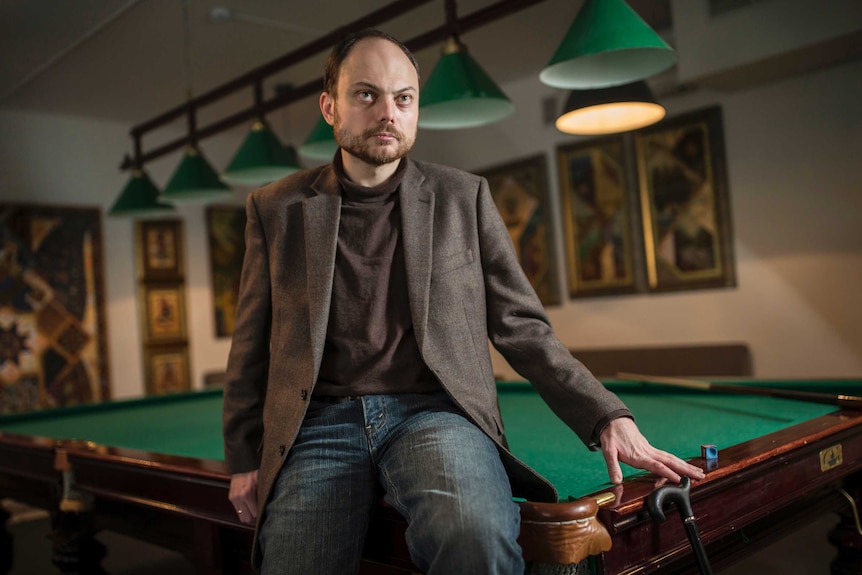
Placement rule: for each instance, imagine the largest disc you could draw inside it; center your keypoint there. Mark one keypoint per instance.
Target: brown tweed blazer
(465, 286)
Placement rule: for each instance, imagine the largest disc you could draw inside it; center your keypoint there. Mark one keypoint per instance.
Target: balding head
(341, 50)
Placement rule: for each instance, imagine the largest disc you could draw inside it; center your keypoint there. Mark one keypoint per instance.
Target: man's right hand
(243, 495)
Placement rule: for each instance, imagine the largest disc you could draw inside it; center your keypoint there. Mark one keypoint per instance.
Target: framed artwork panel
(520, 191)
(160, 249)
(599, 199)
(166, 369)
(688, 238)
(53, 333)
(226, 235)
(164, 312)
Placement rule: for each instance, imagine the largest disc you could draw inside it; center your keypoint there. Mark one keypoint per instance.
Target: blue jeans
(431, 463)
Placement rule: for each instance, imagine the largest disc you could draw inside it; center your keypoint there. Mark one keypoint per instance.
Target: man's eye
(366, 96)
(405, 99)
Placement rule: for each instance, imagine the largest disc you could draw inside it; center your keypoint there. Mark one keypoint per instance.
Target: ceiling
(123, 60)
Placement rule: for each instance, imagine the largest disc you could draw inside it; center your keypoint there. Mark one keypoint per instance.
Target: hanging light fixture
(320, 143)
(458, 92)
(608, 44)
(610, 110)
(261, 159)
(194, 181)
(140, 196)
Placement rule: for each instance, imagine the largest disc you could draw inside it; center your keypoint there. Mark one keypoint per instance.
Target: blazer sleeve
(520, 330)
(248, 361)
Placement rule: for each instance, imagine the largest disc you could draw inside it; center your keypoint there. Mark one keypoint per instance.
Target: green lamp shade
(608, 44)
(261, 159)
(610, 110)
(139, 198)
(459, 94)
(195, 182)
(320, 144)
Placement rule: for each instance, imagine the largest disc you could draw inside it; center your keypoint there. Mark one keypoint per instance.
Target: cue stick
(840, 400)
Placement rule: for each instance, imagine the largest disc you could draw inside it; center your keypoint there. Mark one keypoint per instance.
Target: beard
(367, 149)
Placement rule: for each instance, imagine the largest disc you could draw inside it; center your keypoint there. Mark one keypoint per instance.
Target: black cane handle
(677, 495)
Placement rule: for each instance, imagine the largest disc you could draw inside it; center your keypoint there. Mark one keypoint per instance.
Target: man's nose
(387, 110)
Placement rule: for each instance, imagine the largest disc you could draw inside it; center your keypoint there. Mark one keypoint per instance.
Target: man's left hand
(623, 442)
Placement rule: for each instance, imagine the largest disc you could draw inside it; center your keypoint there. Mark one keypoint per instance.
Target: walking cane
(679, 496)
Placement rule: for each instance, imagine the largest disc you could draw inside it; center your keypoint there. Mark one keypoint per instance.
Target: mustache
(384, 129)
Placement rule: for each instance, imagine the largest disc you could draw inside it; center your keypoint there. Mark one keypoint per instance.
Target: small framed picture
(688, 236)
(599, 197)
(164, 312)
(160, 250)
(166, 369)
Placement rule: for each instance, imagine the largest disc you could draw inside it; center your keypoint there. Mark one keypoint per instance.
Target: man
(360, 365)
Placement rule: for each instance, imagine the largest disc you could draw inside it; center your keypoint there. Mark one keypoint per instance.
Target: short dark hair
(342, 49)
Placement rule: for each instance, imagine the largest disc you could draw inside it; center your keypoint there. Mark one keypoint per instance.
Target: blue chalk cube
(709, 452)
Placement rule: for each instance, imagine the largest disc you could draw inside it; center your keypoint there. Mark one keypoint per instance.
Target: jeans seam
(394, 496)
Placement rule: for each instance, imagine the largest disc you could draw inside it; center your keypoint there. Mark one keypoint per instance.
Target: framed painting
(520, 191)
(685, 201)
(599, 198)
(164, 312)
(53, 337)
(160, 249)
(226, 235)
(166, 369)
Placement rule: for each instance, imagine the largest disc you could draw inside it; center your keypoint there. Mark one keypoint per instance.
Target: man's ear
(327, 108)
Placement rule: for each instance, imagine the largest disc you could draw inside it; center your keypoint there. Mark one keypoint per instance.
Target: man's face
(376, 106)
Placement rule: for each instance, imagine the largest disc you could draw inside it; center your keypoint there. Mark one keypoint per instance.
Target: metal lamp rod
(441, 33)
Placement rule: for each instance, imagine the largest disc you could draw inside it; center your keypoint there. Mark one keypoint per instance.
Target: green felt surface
(679, 421)
(186, 424)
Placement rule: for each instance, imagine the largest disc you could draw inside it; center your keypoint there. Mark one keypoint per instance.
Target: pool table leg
(75, 547)
(6, 547)
(845, 536)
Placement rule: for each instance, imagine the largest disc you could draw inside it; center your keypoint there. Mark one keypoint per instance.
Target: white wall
(792, 150)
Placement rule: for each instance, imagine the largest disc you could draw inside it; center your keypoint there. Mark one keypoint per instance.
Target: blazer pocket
(454, 261)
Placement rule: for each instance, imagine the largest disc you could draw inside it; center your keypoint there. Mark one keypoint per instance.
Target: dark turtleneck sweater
(370, 344)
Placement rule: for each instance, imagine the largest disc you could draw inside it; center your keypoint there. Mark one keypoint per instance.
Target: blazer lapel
(321, 215)
(417, 218)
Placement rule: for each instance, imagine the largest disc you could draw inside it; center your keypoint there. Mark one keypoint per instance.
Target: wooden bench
(702, 360)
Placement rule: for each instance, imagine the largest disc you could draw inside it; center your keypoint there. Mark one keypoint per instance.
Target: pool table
(152, 468)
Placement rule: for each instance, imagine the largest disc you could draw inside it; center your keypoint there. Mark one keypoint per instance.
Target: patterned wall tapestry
(52, 322)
